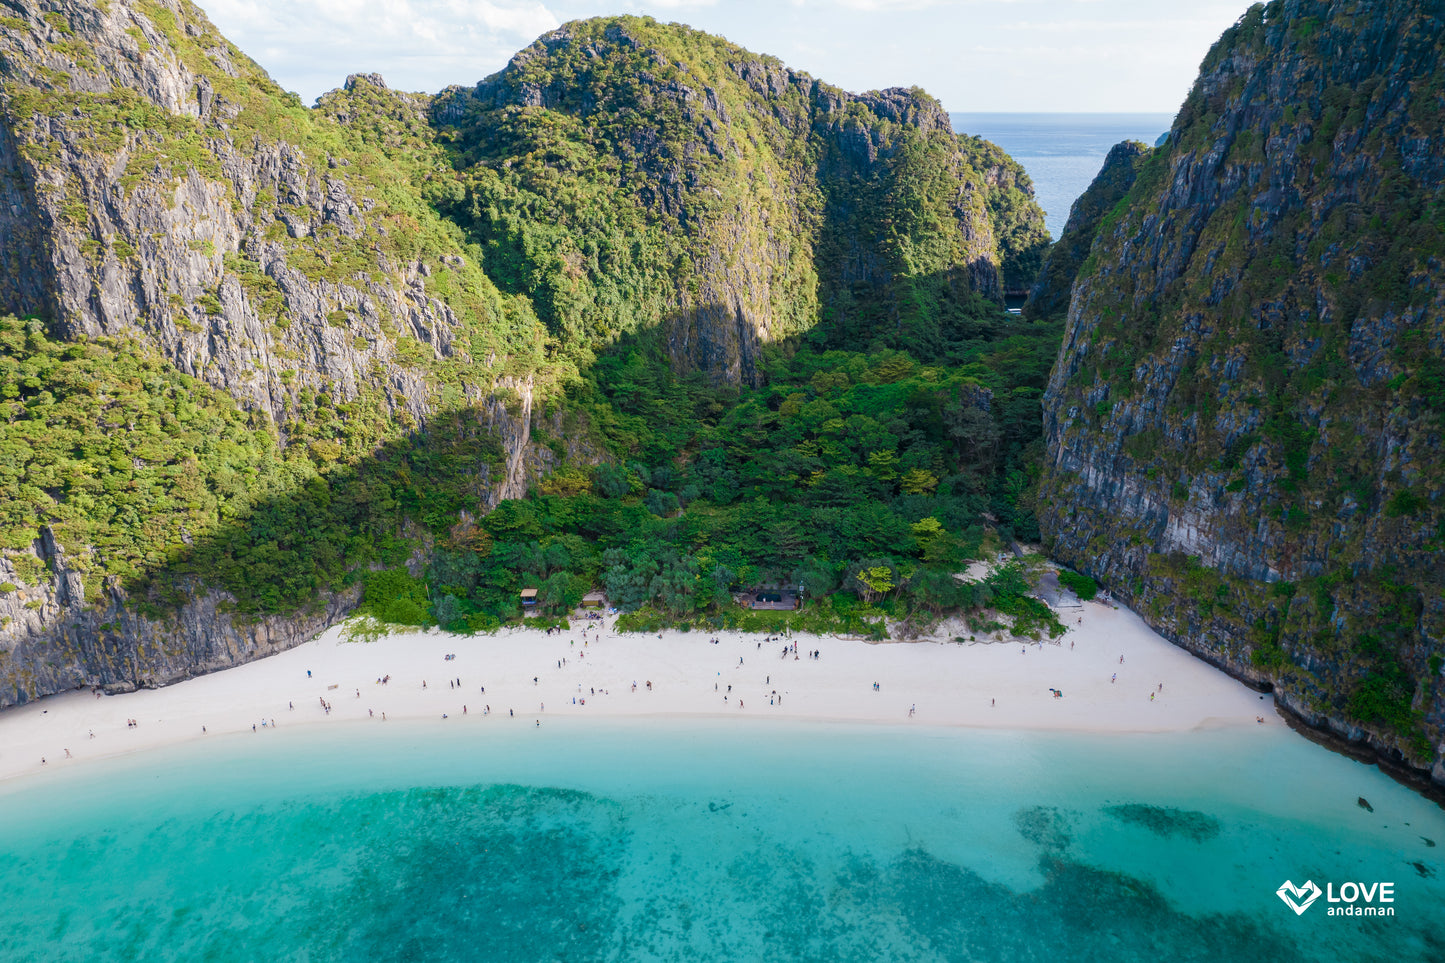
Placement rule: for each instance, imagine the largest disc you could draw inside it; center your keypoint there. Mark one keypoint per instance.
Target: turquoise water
(1061, 152)
(711, 841)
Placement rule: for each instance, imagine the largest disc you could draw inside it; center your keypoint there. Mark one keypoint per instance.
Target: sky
(973, 55)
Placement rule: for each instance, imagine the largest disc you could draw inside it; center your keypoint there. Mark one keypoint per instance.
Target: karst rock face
(385, 259)
(1049, 295)
(763, 200)
(158, 188)
(1244, 425)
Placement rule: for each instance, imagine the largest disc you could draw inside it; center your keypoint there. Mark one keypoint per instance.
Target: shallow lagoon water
(713, 840)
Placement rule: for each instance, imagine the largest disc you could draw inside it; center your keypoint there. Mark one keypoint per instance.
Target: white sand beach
(529, 676)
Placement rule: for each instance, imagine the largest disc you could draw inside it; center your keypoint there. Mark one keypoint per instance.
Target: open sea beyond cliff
(1061, 152)
(714, 841)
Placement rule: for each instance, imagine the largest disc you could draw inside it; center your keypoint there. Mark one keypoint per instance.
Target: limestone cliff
(156, 186)
(1049, 295)
(253, 350)
(759, 200)
(1244, 425)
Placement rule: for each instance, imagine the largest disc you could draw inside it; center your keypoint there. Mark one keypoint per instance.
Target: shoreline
(589, 670)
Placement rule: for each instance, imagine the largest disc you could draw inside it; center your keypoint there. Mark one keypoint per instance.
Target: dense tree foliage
(622, 188)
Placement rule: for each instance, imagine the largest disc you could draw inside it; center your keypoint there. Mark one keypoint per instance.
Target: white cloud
(311, 45)
(1103, 55)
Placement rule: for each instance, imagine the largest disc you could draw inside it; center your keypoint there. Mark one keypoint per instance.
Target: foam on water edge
(712, 840)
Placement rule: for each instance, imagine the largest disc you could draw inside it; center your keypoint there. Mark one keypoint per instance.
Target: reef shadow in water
(1080, 913)
(1166, 821)
(1045, 826)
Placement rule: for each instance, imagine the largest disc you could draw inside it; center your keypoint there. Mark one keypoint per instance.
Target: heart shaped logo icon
(1298, 898)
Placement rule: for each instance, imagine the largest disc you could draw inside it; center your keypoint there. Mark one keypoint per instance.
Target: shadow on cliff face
(281, 561)
(267, 576)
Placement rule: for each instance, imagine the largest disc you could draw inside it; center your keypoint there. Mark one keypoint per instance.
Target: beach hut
(594, 600)
(529, 598)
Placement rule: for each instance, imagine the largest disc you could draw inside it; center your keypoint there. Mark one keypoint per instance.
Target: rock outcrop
(389, 274)
(156, 185)
(1244, 426)
(760, 200)
(1049, 295)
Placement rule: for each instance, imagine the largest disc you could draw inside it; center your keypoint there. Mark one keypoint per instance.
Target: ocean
(1061, 152)
(717, 840)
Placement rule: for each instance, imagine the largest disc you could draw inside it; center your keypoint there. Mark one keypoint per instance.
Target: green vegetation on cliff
(632, 177)
(696, 320)
(1248, 409)
(1105, 196)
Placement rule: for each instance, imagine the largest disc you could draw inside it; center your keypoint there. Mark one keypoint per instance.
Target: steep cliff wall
(1049, 295)
(1244, 425)
(156, 187)
(757, 200)
(274, 348)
